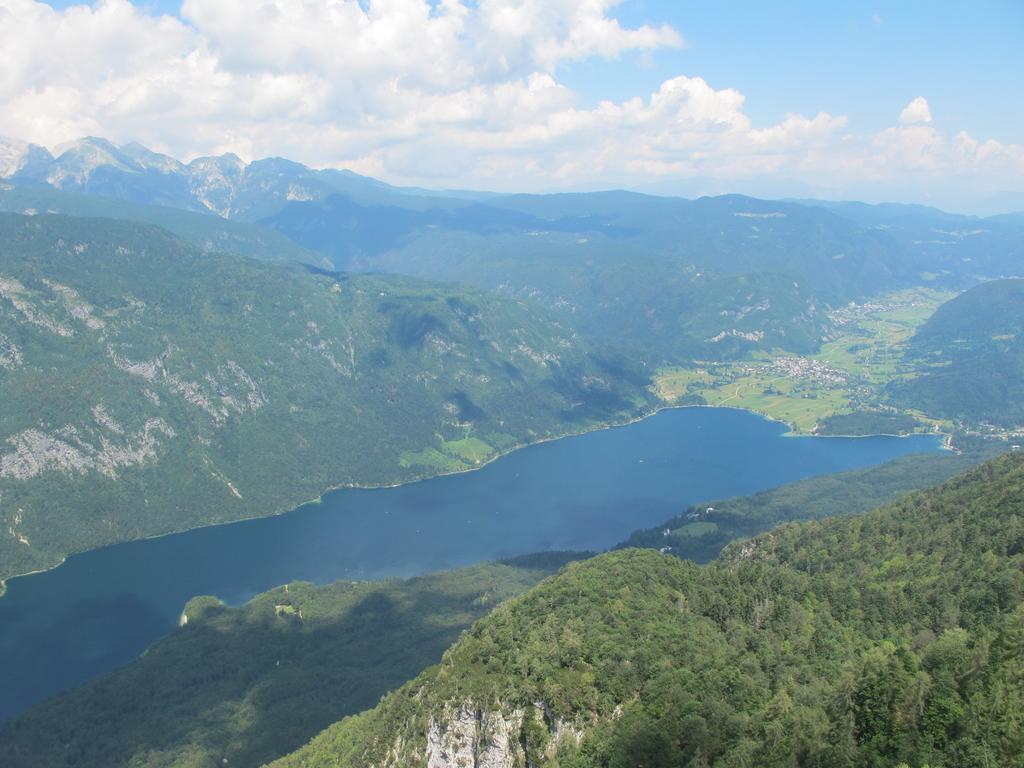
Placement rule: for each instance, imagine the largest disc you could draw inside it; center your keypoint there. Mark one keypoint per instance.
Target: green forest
(884, 639)
(701, 532)
(971, 356)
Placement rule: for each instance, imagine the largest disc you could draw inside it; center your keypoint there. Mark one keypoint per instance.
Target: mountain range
(666, 278)
(186, 344)
(223, 185)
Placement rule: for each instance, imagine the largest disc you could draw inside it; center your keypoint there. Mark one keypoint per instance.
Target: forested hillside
(209, 233)
(659, 308)
(703, 530)
(877, 640)
(731, 234)
(149, 387)
(302, 656)
(672, 279)
(971, 355)
(716, 278)
(669, 279)
(948, 243)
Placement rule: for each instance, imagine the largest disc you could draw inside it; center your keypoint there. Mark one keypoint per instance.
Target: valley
(102, 608)
(589, 492)
(511, 384)
(234, 677)
(843, 388)
(375, 379)
(189, 350)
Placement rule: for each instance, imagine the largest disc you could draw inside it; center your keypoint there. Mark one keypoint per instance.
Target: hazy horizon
(711, 189)
(879, 102)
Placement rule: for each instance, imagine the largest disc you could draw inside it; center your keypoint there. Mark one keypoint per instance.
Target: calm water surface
(103, 608)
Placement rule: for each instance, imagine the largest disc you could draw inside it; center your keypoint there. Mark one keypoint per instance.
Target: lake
(101, 609)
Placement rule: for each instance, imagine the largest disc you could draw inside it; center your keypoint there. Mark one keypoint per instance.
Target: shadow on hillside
(251, 685)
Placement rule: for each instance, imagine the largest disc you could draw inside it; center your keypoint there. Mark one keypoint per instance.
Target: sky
(880, 101)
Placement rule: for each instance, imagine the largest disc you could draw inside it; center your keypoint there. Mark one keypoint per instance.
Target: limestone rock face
(467, 736)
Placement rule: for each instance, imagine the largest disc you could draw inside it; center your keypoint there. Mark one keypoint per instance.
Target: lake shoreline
(352, 486)
(792, 432)
(106, 606)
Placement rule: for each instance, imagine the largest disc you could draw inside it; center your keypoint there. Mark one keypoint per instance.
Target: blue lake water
(102, 608)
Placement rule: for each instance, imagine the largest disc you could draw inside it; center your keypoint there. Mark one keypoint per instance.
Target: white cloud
(916, 111)
(447, 93)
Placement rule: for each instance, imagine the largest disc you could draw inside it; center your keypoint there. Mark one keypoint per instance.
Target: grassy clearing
(430, 458)
(452, 455)
(696, 529)
(673, 384)
(799, 406)
(471, 450)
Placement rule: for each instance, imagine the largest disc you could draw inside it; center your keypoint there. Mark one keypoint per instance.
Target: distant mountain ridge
(223, 185)
(207, 232)
(669, 279)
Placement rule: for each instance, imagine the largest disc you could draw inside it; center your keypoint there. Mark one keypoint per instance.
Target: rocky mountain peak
(77, 160)
(17, 155)
(150, 160)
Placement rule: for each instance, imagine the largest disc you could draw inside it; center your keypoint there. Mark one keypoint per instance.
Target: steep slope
(703, 530)
(148, 387)
(249, 684)
(209, 233)
(971, 352)
(20, 157)
(893, 637)
(948, 243)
